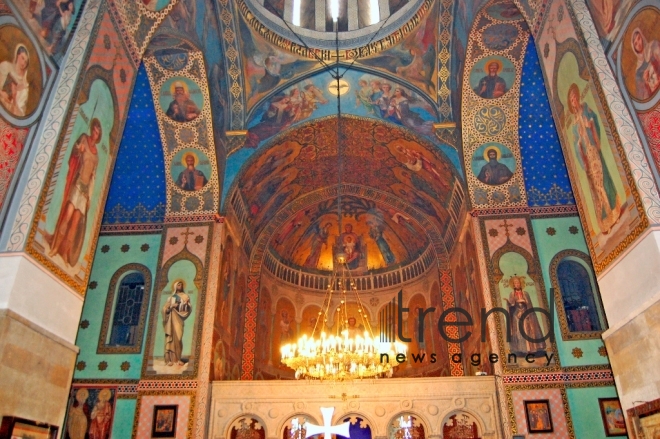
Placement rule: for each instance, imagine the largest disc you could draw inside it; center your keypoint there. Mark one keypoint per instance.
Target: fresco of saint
(69, 234)
(176, 310)
(586, 134)
(518, 302)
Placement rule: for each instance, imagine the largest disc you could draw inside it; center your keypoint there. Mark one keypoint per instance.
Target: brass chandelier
(349, 353)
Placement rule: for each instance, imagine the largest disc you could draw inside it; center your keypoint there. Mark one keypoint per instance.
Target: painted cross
(327, 428)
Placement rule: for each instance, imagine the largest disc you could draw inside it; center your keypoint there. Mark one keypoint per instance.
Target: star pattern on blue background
(137, 191)
(544, 168)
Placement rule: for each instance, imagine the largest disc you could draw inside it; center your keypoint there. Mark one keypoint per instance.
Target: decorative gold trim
(201, 276)
(83, 87)
(118, 382)
(599, 265)
(102, 347)
(535, 272)
(373, 48)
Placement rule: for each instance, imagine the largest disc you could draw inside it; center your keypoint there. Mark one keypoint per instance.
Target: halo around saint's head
(185, 156)
(492, 148)
(488, 62)
(178, 84)
(175, 282)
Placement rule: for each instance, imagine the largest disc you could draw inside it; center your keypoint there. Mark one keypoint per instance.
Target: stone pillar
(628, 278)
(39, 314)
(630, 286)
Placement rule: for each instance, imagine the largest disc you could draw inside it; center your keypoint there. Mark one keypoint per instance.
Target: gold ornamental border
(200, 281)
(124, 270)
(82, 88)
(194, 134)
(566, 334)
(564, 399)
(535, 272)
(599, 264)
(507, 104)
(373, 48)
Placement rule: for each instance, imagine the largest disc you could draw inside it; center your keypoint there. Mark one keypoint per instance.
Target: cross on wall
(327, 429)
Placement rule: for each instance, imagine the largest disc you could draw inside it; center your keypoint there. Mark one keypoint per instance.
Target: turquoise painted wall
(553, 235)
(585, 411)
(120, 250)
(122, 425)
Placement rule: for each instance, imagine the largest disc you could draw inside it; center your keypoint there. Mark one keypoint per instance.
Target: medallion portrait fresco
(21, 73)
(493, 164)
(640, 55)
(492, 77)
(181, 99)
(190, 170)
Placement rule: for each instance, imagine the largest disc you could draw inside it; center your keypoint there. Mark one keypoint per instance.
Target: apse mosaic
(610, 207)
(491, 90)
(137, 188)
(544, 168)
(373, 236)
(389, 158)
(184, 118)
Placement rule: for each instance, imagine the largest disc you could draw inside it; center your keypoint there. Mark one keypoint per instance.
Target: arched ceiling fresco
(394, 184)
(375, 154)
(273, 109)
(373, 234)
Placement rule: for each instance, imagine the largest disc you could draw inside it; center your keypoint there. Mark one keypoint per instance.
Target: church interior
(368, 219)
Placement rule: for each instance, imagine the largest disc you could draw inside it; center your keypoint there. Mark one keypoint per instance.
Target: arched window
(576, 293)
(125, 311)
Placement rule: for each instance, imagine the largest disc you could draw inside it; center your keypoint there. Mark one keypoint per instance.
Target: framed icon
(164, 422)
(13, 427)
(613, 421)
(539, 419)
